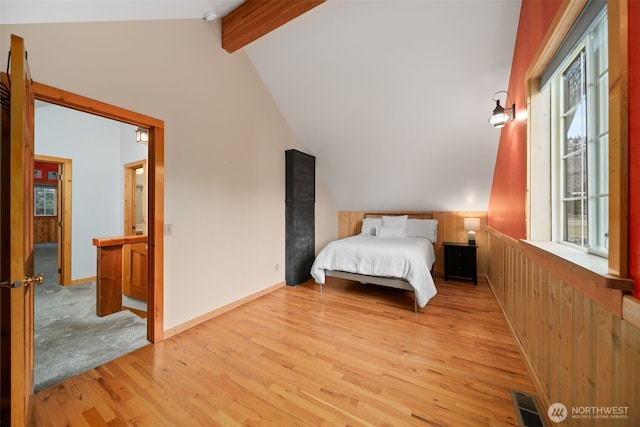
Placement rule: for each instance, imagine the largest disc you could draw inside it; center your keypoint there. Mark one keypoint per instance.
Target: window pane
(575, 222)
(45, 201)
(38, 201)
(601, 153)
(574, 83)
(575, 175)
(50, 201)
(575, 114)
(602, 102)
(600, 52)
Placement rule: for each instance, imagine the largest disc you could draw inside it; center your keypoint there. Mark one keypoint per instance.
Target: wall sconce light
(142, 136)
(472, 225)
(501, 116)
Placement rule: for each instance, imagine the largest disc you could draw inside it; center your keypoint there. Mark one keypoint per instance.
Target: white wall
(93, 145)
(225, 143)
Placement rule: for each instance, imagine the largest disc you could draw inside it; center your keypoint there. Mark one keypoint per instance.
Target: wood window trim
(155, 220)
(617, 15)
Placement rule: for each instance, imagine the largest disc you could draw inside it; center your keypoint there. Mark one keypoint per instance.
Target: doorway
(52, 223)
(135, 198)
(134, 256)
(97, 147)
(155, 190)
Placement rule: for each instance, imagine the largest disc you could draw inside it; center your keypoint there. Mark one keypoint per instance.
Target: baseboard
(218, 311)
(83, 280)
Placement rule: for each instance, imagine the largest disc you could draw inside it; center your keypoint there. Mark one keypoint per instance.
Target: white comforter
(409, 258)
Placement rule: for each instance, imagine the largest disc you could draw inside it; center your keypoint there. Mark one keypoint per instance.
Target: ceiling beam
(255, 18)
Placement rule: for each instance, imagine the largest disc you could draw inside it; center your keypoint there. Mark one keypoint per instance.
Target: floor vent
(527, 409)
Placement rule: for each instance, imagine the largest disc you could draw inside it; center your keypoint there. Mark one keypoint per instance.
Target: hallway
(69, 338)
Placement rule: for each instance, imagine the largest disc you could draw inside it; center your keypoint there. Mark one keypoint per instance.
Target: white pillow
(395, 221)
(387, 231)
(369, 226)
(425, 228)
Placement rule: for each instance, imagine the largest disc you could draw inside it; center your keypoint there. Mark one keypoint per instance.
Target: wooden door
(135, 271)
(17, 223)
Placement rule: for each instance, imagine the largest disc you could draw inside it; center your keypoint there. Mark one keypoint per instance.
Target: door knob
(38, 279)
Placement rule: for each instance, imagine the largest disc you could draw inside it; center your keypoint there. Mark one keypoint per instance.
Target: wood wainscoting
(579, 349)
(45, 229)
(450, 229)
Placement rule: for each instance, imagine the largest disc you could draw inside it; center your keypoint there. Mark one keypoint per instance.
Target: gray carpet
(70, 339)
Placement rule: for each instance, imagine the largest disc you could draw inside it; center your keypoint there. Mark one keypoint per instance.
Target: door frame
(155, 190)
(130, 196)
(64, 216)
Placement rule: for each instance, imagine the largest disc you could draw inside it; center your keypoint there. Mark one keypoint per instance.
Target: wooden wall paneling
(583, 360)
(531, 288)
(545, 308)
(555, 332)
(604, 331)
(528, 273)
(629, 389)
(533, 311)
(579, 352)
(349, 223)
(438, 268)
(512, 281)
(566, 348)
(515, 275)
(45, 229)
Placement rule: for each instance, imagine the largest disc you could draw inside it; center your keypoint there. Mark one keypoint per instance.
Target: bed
(394, 251)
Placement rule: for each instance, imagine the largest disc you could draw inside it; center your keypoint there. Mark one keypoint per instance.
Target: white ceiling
(391, 96)
(40, 11)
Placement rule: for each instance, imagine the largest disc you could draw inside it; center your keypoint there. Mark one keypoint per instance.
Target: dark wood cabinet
(460, 260)
(299, 216)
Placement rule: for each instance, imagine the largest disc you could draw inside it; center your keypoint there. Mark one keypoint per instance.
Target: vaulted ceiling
(391, 96)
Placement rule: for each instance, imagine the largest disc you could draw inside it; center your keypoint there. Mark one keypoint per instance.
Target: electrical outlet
(277, 267)
(168, 229)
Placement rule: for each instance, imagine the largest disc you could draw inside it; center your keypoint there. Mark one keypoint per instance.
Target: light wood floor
(353, 355)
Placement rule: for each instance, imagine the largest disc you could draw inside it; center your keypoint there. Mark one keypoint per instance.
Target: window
(599, 28)
(45, 200)
(580, 140)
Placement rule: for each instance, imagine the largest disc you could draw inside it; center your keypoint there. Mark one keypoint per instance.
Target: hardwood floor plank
(352, 355)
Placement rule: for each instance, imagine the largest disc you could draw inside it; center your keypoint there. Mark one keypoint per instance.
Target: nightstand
(460, 261)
